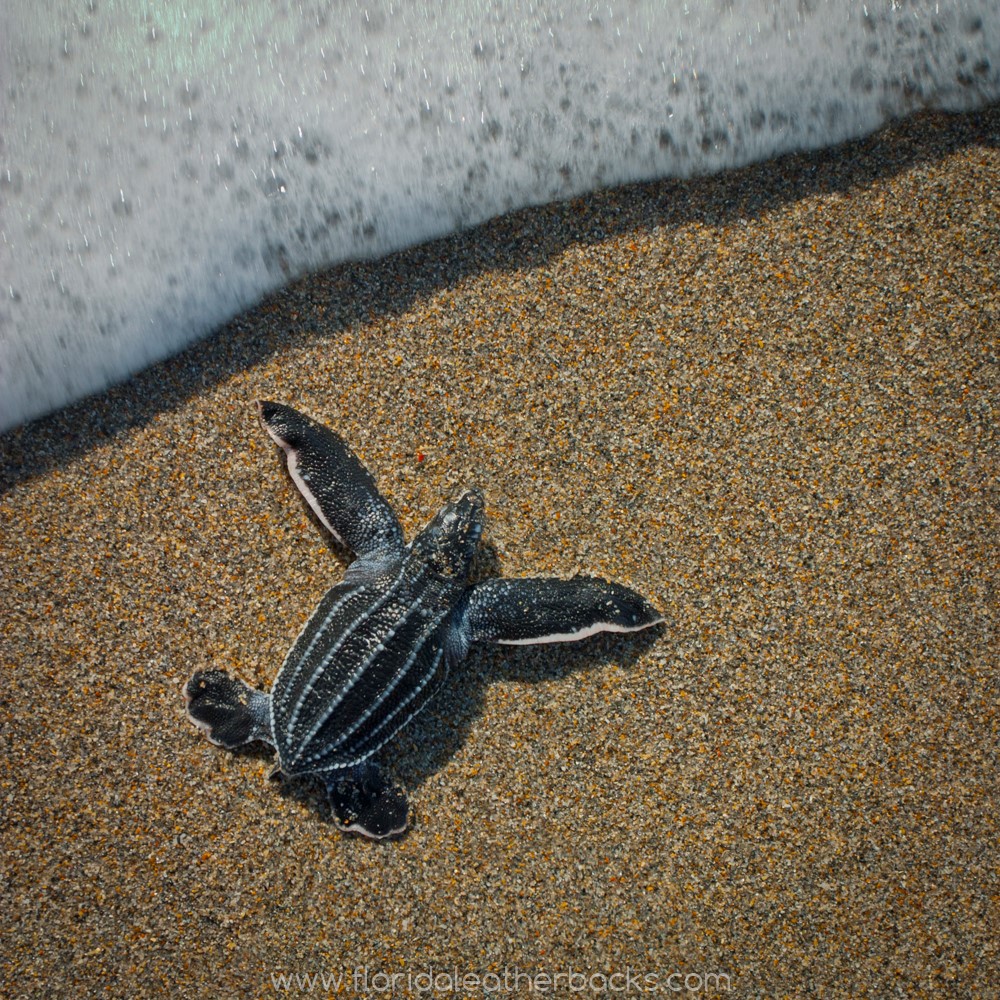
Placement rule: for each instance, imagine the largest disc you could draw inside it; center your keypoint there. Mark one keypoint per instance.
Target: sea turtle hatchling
(380, 643)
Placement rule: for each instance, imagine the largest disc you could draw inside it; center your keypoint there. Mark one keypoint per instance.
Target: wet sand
(767, 400)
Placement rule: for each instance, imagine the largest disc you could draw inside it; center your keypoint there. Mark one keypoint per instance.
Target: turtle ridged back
(418, 683)
(363, 665)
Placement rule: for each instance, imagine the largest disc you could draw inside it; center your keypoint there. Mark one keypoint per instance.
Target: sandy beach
(768, 400)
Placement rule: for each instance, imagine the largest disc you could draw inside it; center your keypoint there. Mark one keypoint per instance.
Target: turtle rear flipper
(365, 801)
(229, 712)
(517, 612)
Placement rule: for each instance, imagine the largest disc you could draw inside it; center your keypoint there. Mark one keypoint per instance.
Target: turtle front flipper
(365, 801)
(331, 478)
(229, 712)
(519, 612)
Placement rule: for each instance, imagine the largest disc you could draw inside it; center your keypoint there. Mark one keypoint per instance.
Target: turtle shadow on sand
(432, 739)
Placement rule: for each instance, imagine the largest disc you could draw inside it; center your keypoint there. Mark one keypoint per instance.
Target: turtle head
(449, 542)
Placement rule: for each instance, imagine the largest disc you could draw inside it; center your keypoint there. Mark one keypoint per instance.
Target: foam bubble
(162, 167)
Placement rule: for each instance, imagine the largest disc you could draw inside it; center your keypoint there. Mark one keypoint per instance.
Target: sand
(768, 400)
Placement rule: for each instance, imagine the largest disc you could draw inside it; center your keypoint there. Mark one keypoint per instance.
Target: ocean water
(163, 165)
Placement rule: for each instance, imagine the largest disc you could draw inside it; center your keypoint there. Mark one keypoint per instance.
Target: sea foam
(164, 165)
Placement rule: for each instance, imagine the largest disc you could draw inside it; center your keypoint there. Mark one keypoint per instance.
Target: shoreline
(764, 399)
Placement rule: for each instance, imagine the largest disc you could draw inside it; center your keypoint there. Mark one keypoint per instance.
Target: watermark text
(365, 981)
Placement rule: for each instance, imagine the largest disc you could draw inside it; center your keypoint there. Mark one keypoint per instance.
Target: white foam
(162, 166)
